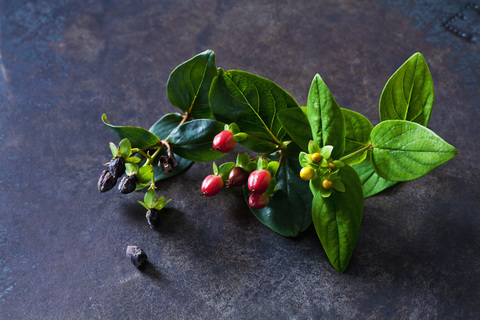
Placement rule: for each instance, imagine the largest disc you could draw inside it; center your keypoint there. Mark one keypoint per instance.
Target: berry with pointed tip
(211, 185)
(237, 177)
(258, 200)
(224, 141)
(259, 180)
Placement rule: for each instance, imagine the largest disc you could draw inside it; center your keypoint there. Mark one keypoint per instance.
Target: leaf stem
(353, 154)
(262, 138)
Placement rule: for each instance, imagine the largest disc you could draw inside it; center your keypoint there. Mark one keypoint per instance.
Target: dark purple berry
(153, 217)
(238, 177)
(117, 167)
(127, 184)
(106, 181)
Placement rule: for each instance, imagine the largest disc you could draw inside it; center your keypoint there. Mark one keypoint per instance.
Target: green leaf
(162, 129)
(160, 203)
(189, 84)
(252, 102)
(295, 122)
(313, 147)
(408, 94)
(243, 159)
(289, 210)
(131, 169)
(150, 198)
(372, 183)
(133, 160)
(272, 167)
(124, 148)
(326, 152)
(337, 219)
(193, 140)
(404, 150)
(144, 175)
(139, 137)
(165, 125)
(325, 117)
(224, 170)
(357, 135)
(114, 149)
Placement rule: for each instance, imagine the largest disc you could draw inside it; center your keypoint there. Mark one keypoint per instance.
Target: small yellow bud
(327, 184)
(316, 157)
(307, 173)
(331, 165)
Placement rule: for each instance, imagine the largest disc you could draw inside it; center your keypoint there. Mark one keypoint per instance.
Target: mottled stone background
(62, 245)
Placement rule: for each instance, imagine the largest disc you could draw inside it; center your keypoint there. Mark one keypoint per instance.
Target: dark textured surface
(62, 245)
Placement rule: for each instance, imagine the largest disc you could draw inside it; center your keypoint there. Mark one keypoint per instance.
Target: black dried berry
(153, 218)
(136, 255)
(117, 167)
(127, 184)
(106, 181)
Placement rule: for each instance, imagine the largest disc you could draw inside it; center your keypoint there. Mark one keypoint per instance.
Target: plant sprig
(342, 155)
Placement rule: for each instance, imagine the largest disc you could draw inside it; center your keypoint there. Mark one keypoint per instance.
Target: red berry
(258, 200)
(224, 141)
(212, 185)
(259, 180)
(238, 177)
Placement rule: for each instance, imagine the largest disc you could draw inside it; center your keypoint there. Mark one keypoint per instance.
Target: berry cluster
(320, 169)
(120, 164)
(258, 174)
(135, 176)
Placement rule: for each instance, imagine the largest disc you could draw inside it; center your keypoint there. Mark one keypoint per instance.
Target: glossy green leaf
(189, 84)
(124, 148)
(357, 135)
(144, 175)
(252, 102)
(295, 122)
(289, 210)
(224, 170)
(325, 117)
(408, 94)
(243, 159)
(139, 137)
(113, 149)
(337, 219)
(150, 198)
(193, 140)
(162, 129)
(404, 150)
(133, 160)
(372, 183)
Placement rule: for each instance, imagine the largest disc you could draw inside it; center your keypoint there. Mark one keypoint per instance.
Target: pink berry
(258, 200)
(238, 177)
(211, 185)
(259, 180)
(224, 141)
